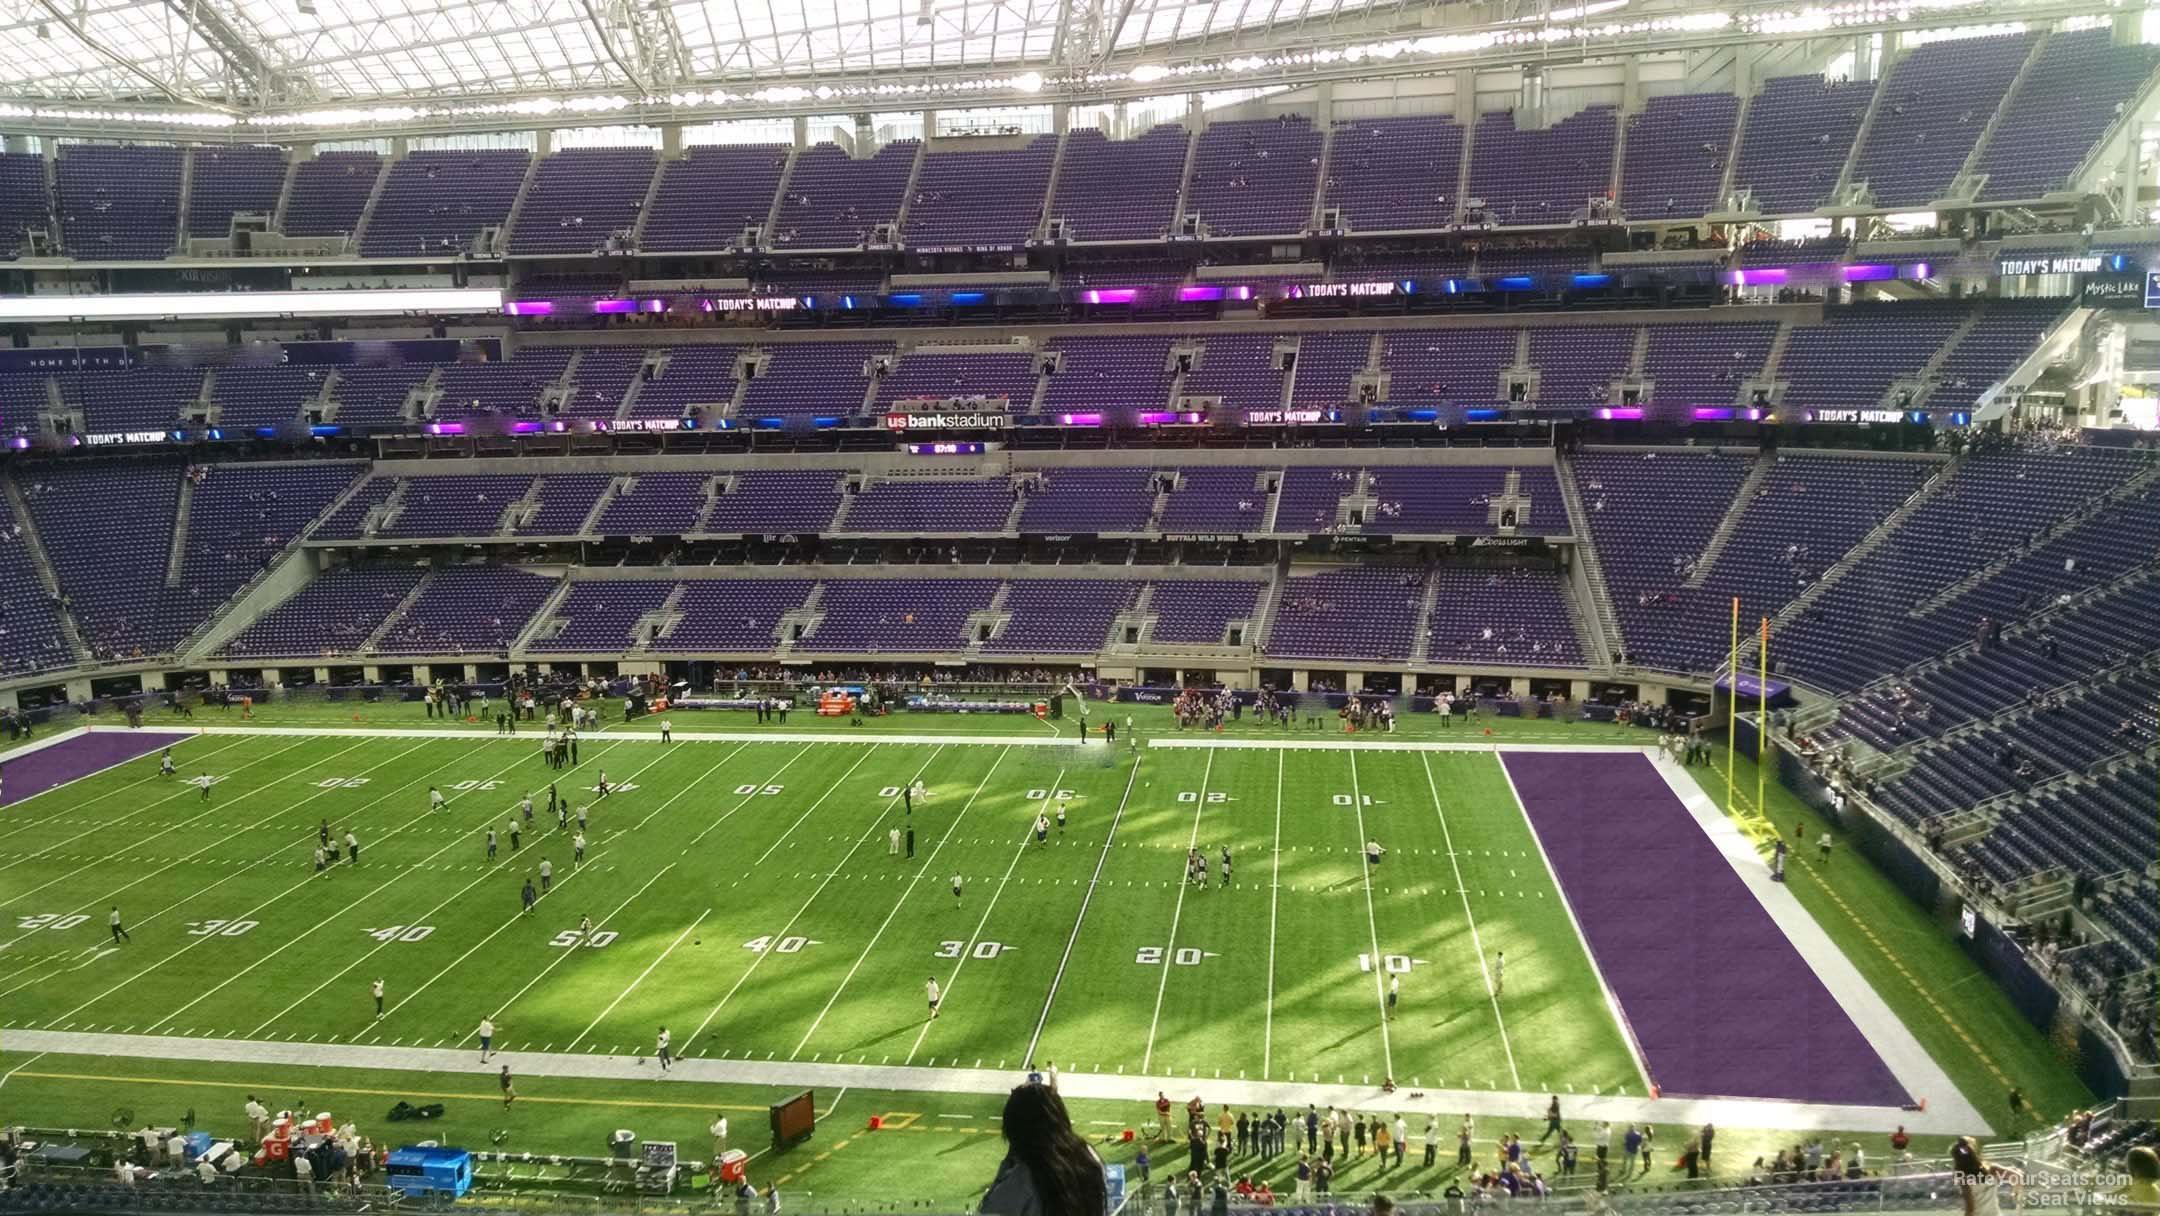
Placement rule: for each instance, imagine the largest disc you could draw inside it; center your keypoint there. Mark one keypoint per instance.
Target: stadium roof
(362, 51)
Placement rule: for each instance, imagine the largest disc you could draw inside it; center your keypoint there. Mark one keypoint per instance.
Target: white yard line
(563, 956)
(19, 1067)
(1377, 745)
(1612, 1002)
(762, 955)
(322, 920)
(1177, 913)
(311, 878)
(1094, 881)
(649, 967)
(1372, 927)
(1447, 838)
(570, 878)
(215, 842)
(901, 902)
(967, 951)
(1267, 1042)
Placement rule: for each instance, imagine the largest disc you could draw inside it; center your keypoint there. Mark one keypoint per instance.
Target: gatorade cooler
(322, 1124)
(281, 1129)
(279, 1150)
(732, 1163)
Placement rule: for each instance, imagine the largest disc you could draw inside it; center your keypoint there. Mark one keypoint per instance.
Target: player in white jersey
(435, 799)
(165, 764)
(1042, 828)
(935, 995)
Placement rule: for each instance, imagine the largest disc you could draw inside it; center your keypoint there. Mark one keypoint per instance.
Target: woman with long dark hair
(1048, 1169)
(1979, 1183)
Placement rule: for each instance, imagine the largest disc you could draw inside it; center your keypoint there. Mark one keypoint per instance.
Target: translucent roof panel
(328, 51)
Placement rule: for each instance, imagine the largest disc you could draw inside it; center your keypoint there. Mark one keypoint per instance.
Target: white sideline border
(1754, 1113)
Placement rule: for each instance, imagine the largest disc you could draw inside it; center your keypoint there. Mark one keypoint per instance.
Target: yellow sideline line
(1956, 1027)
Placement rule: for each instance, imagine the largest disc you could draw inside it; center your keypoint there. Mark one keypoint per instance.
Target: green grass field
(743, 895)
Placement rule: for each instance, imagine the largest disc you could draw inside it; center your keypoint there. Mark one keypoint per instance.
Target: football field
(745, 896)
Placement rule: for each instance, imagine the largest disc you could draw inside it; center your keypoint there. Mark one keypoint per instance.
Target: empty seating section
(351, 518)
(1676, 154)
(655, 504)
(709, 196)
(564, 503)
(1850, 360)
(1080, 500)
(2098, 830)
(600, 617)
(932, 506)
(1514, 617)
(1356, 612)
(1241, 370)
(1651, 515)
(25, 202)
(1060, 615)
(1806, 513)
(1542, 176)
(438, 202)
(240, 517)
(330, 191)
(931, 375)
(1217, 501)
(475, 610)
(896, 616)
(700, 378)
(23, 400)
(1577, 365)
(1989, 508)
(1390, 174)
(1096, 375)
(812, 379)
(131, 399)
(375, 396)
(1200, 613)
(1120, 190)
(108, 531)
(509, 390)
(1447, 368)
(2072, 95)
(265, 396)
(1800, 130)
(601, 378)
(224, 182)
(1932, 111)
(30, 635)
(1328, 365)
(459, 505)
(333, 615)
(1437, 501)
(583, 200)
(1255, 177)
(1704, 366)
(980, 199)
(834, 201)
(777, 503)
(118, 201)
(741, 615)
(2007, 331)
(1311, 498)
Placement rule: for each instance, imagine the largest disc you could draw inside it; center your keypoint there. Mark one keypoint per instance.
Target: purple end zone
(1720, 1001)
(76, 758)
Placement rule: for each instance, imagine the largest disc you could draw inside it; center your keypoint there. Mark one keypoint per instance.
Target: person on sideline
(1048, 1169)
